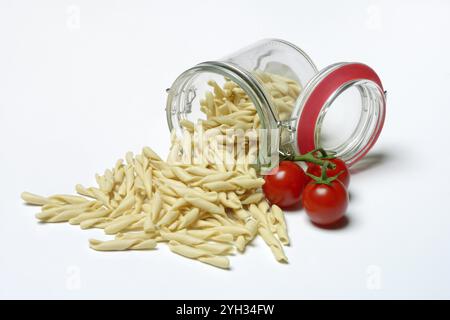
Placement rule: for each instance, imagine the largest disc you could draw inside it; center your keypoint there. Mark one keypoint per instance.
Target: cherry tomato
(285, 186)
(325, 204)
(344, 177)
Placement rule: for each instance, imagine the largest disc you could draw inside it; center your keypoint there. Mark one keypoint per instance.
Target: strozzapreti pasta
(205, 201)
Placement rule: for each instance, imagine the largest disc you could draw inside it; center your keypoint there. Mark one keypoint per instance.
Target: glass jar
(340, 108)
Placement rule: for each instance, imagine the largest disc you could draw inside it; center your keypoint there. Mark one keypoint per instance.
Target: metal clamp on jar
(340, 108)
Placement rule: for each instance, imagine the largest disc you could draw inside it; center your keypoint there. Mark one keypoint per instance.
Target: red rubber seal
(320, 94)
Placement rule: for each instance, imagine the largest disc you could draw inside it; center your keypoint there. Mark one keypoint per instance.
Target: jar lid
(318, 98)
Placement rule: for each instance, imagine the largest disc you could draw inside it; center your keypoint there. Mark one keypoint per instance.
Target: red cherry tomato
(325, 204)
(285, 186)
(344, 177)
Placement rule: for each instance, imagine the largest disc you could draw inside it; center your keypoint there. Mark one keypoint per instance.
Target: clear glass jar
(340, 108)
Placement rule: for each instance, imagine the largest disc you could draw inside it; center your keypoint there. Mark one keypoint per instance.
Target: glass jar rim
(320, 93)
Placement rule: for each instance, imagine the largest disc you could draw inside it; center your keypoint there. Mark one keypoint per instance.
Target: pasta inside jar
(228, 128)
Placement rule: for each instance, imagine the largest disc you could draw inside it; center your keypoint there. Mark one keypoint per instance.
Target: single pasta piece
(67, 198)
(34, 199)
(281, 227)
(274, 244)
(122, 244)
(181, 237)
(205, 205)
(199, 254)
(215, 248)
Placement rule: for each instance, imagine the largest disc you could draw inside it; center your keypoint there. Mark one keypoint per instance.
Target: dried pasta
(204, 202)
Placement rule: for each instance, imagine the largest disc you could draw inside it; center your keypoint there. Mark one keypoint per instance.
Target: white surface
(76, 94)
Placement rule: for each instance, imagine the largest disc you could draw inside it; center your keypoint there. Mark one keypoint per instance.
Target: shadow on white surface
(370, 161)
(343, 223)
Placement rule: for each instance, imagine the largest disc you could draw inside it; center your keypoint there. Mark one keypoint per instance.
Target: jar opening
(342, 110)
(351, 120)
(339, 119)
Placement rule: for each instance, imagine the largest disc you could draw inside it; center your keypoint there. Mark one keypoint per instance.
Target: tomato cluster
(322, 190)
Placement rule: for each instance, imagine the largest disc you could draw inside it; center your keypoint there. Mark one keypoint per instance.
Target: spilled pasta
(205, 202)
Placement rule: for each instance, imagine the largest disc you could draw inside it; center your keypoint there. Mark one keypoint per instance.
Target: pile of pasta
(205, 202)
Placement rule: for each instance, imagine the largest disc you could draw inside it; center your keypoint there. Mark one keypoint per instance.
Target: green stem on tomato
(324, 179)
(325, 155)
(309, 157)
(323, 172)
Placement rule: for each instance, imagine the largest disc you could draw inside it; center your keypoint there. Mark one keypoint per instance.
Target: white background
(82, 82)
